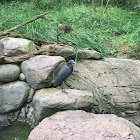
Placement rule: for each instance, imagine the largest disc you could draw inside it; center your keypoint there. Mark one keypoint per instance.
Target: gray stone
(22, 77)
(13, 95)
(9, 73)
(40, 71)
(3, 121)
(80, 125)
(15, 46)
(65, 51)
(88, 54)
(50, 101)
(114, 82)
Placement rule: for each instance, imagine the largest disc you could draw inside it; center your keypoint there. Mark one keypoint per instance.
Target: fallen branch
(38, 40)
(3, 33)
(20, 58)
(106, 6)
(29, 38)
(46, 18)
(68, 41)
(58, 36)
(102, 3)
(93, 6)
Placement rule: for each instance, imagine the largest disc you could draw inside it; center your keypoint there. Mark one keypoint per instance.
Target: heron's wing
(63, 75)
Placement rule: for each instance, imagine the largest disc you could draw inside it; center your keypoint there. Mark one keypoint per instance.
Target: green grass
(115, 33)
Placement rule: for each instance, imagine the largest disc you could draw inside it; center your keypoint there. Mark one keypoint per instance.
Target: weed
(108, 33)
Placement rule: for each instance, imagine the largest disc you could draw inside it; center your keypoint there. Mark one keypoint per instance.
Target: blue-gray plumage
(63, 74)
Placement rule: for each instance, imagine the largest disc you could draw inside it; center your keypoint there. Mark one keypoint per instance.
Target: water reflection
(17, 131)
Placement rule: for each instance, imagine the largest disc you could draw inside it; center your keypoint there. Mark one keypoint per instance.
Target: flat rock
(9, 73)
(115, 82)
(41, 70)
(11, 46)
(13, 95)
(80, 125)
(50, 101)
(88, 54)
(65, 51)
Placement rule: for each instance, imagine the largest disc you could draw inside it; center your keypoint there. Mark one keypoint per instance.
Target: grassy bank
(114, 34)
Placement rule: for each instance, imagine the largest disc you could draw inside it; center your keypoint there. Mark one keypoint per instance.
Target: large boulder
(49, 101)
(79, 125)
(13, 95)
(65, 51)
(9, 73)
(40, 71)
(115, 83)
(15, 46)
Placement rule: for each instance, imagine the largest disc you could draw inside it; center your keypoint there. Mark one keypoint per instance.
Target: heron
(63, 74)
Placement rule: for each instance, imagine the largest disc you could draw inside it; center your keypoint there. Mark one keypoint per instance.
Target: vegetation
(114, 33)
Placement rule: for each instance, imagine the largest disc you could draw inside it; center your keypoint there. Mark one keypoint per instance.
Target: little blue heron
(63, 74)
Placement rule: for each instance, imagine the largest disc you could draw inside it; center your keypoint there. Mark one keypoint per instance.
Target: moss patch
(31, 47)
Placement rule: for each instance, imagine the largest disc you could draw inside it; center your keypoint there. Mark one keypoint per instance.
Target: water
(17, 131)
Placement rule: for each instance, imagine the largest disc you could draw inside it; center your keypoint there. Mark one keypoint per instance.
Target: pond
(17, 131)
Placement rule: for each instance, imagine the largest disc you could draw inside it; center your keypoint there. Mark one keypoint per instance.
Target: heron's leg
(63, 88)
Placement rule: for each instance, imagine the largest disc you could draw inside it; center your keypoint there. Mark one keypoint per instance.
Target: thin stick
(106, 6)
(102, 1)
(23, 24)
(93, 5)
(58, 36)
(47, 18)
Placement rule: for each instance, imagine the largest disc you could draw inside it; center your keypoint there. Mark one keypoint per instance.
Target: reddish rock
(80, 125)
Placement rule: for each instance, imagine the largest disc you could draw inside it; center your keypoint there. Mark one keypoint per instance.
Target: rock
(30, 118)
(40, 71)
(13, 95)
(3, 121)
(50, 101)
(79, 125)
(9, 73)
(65, 51)
(26, 114)
(88, 54)
(22, 77)
(115, 82)
(15, 46)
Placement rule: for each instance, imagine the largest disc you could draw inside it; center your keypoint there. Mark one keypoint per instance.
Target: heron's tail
(55, 85)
